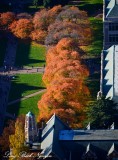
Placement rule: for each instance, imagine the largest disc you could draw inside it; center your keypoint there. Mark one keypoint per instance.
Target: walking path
(26, 97)
(28, 70)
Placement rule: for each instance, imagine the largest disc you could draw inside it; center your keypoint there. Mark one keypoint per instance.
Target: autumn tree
(64, 77)
(21, 28)
(44, 18)
(6, 19)
(38, 36)
(70, 22)
(17, 140)
(4, 139)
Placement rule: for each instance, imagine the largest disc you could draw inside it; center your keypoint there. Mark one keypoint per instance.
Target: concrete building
(110, 21)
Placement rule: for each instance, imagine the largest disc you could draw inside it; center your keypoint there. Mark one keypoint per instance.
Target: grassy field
(25, 106)
(33, 9)
(3, 44)
(30, 54)
(25, 84)
(97, 37)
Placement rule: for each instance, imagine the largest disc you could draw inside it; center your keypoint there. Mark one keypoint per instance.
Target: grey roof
(64, 143)
(50, 138)
(113, 12)
(88, 135)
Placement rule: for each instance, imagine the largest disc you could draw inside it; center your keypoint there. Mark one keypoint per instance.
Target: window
(113, 38)
(113, 26)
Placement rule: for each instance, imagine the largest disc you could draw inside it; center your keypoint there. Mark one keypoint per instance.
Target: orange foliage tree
(41, 21)
(44, 18)
(6, 19)
(70, 22)
(64, 77)
(21, 28)
(38, 35)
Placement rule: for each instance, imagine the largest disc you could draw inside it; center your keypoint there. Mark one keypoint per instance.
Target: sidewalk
(26, 97)
(28, 70)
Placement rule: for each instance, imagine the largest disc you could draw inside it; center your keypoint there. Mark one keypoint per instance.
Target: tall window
(113, 26)
(113, 38)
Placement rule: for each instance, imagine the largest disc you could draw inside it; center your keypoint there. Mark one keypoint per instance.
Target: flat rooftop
(78, 135)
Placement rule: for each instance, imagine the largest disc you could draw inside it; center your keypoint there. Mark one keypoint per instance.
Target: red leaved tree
(66, 90)
(6, 18)
(21, 28)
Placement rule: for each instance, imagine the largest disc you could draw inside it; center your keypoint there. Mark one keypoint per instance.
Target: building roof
(63, 143)
(50, 138)
(85, 135)
(113, 12)
(111, 9)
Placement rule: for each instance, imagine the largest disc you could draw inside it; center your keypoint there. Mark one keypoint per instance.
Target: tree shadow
(19, 91)
(93, 81)
(23, 55)
(91, 8)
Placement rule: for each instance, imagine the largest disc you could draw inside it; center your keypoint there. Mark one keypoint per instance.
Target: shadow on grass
(25, 106)
(93, 83)
(3, 45)
(91, 8)
(19, 91)
(24, 57)
(5, 8)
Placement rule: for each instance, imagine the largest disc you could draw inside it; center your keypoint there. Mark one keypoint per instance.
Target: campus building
(59, 142)
(109, 73)
(110, 21)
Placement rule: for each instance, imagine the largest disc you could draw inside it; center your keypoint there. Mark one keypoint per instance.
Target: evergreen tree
(101, 113)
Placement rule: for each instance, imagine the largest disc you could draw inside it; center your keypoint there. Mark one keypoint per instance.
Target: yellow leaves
(17, 140)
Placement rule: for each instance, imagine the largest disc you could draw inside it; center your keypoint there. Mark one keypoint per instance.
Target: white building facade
(109, 73)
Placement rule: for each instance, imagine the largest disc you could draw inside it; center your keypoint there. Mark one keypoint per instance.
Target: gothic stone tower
(30, 128)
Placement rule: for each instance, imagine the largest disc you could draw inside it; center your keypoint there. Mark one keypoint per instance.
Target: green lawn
(3, 45)
(96, 45)
(97, 40)
(30, 54)
(90, 6)
(25, 84)
(32, 9)
(25, 106)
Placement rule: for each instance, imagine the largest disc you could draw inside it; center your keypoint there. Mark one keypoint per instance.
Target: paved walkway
(26, 97)
(28, 70)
